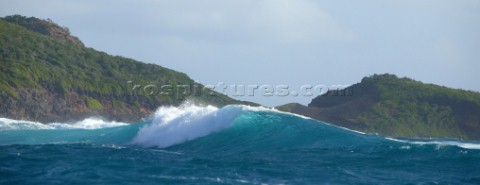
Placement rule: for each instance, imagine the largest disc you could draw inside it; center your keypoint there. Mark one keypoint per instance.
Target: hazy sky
(281, 42)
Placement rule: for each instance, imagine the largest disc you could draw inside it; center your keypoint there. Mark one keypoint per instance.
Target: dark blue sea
(230, 145)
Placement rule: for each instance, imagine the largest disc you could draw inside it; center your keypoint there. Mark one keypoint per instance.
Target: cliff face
(44, 105)
(47, 75)
(398, 107)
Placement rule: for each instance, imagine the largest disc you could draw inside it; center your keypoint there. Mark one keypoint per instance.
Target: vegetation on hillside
(45, 27)
(32, 58)
(411, 108)
(399, 107)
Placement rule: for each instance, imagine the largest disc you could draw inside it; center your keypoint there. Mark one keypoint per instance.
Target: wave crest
(174, 125)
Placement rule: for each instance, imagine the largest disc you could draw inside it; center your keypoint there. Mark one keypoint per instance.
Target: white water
(173, 125)
(89, 123)
(465, 145)
(10, 124)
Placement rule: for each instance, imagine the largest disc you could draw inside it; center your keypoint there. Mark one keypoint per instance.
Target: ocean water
(230, 145)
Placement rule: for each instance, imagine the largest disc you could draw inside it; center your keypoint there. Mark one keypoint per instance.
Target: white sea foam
(89, 123)
(273, 109)
(465, 145)
(174, 125)
(309, 118)
(11, 124)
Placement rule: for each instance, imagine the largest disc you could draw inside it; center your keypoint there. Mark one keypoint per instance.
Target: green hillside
(48, 75)
(398, 107)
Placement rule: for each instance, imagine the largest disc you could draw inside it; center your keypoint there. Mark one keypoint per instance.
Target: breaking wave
(230, 127)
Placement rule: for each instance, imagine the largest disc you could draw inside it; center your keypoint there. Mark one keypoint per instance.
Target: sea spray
(173, 125)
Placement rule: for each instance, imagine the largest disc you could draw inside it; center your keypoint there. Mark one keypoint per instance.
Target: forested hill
(398, 107)
(48, 75)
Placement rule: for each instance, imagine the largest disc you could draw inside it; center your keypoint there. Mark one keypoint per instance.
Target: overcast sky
(281, 42)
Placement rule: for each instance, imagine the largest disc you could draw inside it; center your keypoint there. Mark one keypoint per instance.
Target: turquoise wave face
(271, 131)
(233, 145)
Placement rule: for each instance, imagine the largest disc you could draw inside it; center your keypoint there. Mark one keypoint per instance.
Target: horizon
(290, 43)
